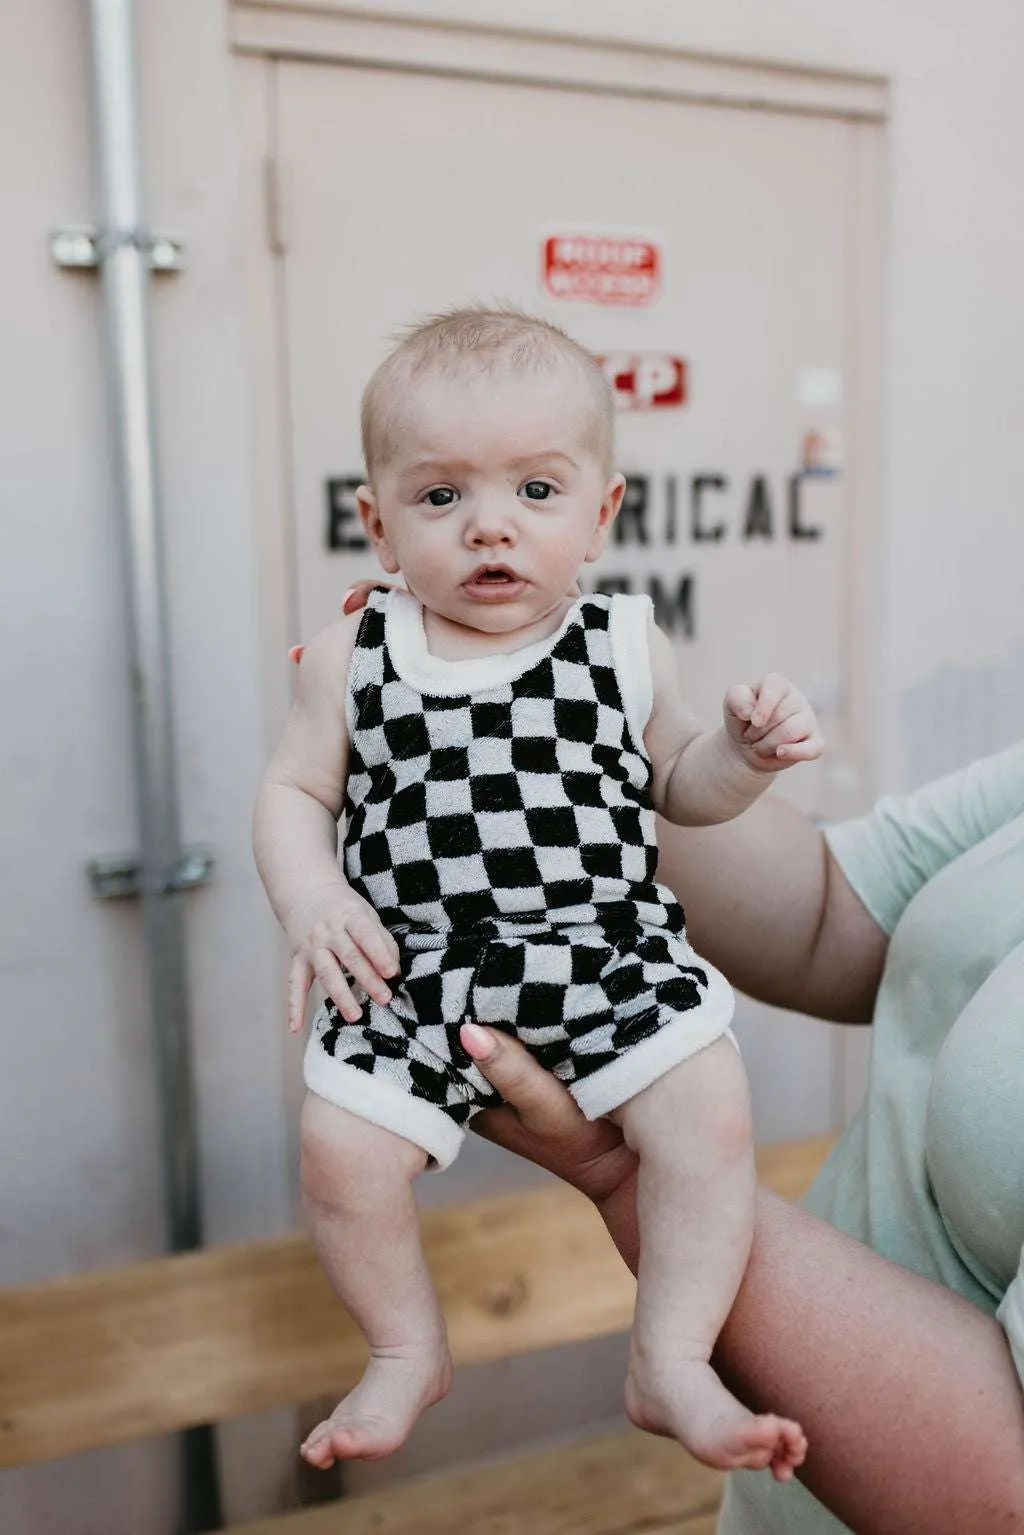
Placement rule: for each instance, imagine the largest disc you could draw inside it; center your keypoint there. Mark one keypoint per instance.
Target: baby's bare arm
(295, 839)
(703, 777)
(295, 823)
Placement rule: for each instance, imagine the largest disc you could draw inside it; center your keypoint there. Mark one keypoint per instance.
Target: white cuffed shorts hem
(613, 1085)
(382, 1103)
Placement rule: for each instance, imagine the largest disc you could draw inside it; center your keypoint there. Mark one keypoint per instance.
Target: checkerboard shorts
(606, 1013)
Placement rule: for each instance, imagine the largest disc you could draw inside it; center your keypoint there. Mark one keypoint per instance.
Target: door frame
(263, 33)
(327, 31)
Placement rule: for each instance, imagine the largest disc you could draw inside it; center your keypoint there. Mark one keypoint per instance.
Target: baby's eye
(537, 490)
(441, 495)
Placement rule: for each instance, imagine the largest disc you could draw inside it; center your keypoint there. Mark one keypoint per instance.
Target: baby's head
(489, 441)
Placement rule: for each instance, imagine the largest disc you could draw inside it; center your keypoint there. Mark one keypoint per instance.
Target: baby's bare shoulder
(324, 662)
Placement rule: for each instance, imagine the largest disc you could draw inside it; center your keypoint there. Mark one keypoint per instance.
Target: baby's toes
(790, 1452)
(318, 1449)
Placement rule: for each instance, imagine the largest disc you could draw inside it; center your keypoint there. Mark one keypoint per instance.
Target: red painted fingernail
(346, 596)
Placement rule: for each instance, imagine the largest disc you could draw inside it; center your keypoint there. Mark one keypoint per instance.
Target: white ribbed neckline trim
(412, 660)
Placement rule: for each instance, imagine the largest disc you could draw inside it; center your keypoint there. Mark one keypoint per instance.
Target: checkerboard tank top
(508, 793)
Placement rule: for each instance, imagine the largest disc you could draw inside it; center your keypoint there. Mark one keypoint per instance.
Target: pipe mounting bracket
(78, 247)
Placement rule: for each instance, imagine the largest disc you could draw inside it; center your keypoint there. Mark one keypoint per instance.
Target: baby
(499, 750)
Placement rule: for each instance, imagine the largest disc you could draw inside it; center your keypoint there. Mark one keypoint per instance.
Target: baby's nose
(491, 525)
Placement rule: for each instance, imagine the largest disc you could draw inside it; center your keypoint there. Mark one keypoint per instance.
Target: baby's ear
(369, 511)
(611, 501)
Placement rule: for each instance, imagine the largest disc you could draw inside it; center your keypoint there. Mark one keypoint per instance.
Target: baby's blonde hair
(487, 339)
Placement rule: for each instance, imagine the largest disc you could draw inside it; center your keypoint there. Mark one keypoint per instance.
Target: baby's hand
(771, 724)
(332, 931)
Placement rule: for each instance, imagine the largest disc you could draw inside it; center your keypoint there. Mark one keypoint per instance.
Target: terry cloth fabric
(498, 818)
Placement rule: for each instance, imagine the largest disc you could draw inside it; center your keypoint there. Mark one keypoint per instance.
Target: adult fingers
(540, 1121)
(542, 1103)
(352, 600)
(358, 595)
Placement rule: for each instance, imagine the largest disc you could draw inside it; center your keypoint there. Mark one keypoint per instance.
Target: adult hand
(351, 601)
(540, 1121)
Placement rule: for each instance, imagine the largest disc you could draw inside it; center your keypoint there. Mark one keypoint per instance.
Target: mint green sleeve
(888, 854)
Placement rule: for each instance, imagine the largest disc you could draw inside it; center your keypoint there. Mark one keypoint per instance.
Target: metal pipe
(124, 259)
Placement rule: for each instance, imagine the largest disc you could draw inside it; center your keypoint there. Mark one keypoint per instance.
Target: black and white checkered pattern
(507, 839)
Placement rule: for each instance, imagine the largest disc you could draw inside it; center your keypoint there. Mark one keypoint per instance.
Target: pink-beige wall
(80, 1182)
(951, 652)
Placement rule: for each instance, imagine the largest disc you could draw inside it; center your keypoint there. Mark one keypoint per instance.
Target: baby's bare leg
(691, 1131)
(357, 1189)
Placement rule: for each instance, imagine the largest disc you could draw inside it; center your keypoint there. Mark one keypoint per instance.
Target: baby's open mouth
(495, 583)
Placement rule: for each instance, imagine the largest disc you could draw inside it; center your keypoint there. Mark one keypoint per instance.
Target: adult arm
(772, 907)
(767, 903)
(907, 1392)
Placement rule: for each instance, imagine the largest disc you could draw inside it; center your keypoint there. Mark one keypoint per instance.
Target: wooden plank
(105, 1357)
(616, 1484)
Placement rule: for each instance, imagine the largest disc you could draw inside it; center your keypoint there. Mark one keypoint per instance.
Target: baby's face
(490, 500)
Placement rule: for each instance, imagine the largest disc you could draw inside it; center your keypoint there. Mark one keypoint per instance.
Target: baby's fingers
(368, 953)
(740, 701)
(794, 739)
(300, 978)
(375, 942)
(332, 978)
(770, 694)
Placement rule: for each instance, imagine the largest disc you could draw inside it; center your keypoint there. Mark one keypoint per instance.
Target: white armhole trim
(350, 703)
(356, 664)
(631, 656)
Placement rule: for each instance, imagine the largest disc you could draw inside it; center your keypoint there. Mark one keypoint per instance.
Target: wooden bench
(101, 1358)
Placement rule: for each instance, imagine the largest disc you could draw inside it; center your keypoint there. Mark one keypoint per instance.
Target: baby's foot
(688, 1402)
(379, 1415)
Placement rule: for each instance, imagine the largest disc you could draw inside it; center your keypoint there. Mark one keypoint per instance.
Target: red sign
(602, 269)
(646, 380)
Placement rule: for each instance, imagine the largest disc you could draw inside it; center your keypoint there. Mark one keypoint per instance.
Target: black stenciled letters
(698, 485)
(758, 521)
(797, 529)
(607, 586)
(674, 611)
(631, 523)
(344, 528)
(671, 496)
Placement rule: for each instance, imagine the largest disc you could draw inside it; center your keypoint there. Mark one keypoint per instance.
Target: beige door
(397, 194)
(409, 193)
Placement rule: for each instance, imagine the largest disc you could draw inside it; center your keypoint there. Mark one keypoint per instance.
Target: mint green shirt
(931, 1171)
